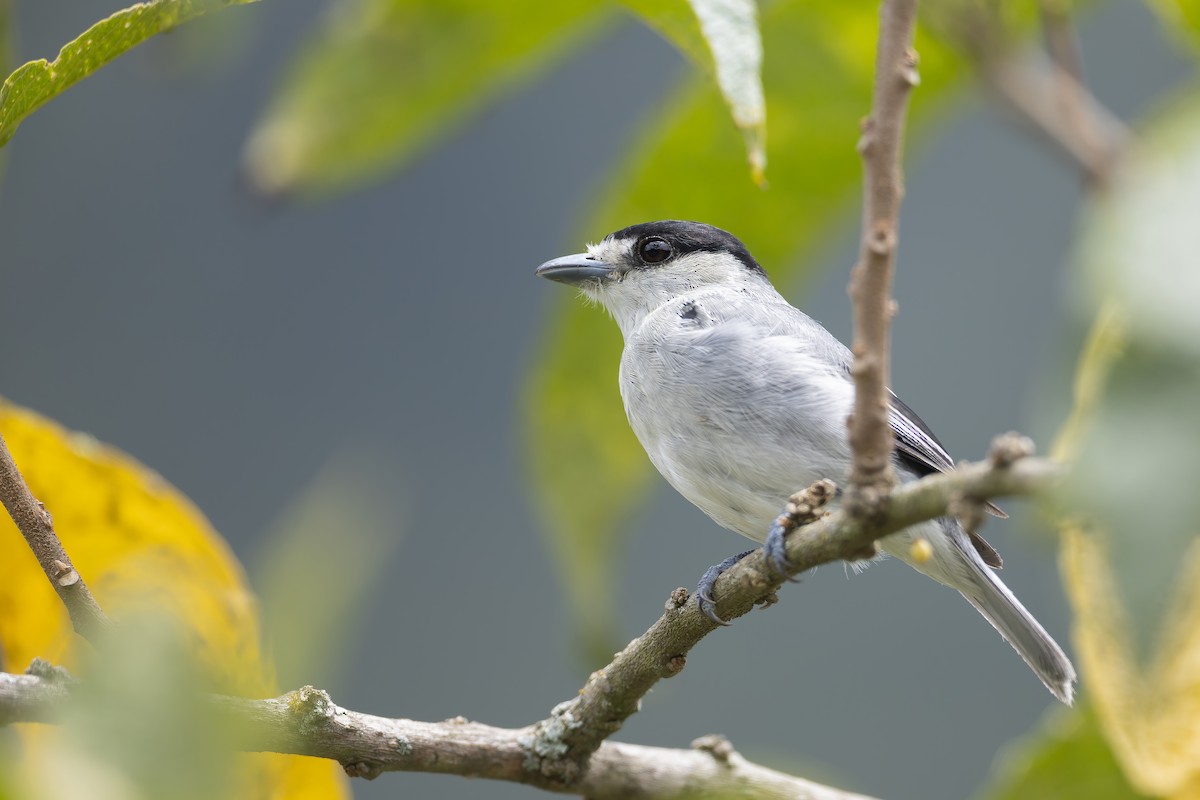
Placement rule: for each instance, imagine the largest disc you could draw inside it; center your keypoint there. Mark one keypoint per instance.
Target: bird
(739, 399)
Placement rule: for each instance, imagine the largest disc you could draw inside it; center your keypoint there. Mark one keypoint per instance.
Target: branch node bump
(1008, 448)
(64, 574)
(869, 499)
(767, 600)
(678, 599)
(716, 745)
(803, 508)
(362, 769)
(546, 748)
(909, 72)
(967, 510)
(883, 239)
(675, 665)
(41, 668)
(312, 706)
(862, 365)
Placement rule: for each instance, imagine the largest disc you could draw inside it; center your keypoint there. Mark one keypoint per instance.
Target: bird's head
(636, 269)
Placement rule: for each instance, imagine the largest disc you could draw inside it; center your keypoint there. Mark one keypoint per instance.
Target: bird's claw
(704, 597)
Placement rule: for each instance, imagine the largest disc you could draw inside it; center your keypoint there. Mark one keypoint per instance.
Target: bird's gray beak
(575, 269)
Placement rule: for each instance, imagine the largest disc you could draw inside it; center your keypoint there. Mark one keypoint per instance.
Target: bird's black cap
(688, 237)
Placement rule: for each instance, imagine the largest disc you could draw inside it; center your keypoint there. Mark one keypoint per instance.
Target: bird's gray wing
(919, 449)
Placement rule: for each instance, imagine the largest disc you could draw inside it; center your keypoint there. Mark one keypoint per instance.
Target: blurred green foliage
(1180, 19)
(1065, 757)
(139, 725)
(323, 558)
(382, 77)
(1137, 250)
(40, 81)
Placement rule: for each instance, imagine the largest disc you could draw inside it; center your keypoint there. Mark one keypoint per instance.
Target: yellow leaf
(1149, 709)
(138, 543)
(1149, 712)
(1131, 558)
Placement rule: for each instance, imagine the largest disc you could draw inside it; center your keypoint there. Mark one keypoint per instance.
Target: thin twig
(1049, 94)
(35, 524)
(1089, 134)
(308, 722)
(871, 281)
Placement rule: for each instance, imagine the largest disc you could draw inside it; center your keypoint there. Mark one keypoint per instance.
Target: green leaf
(591, 474)
(589, 471)
(1138, 459)
(355, 494)
(139, 724)
(7, 51)
(817, 74)
(1180, 19)
(384, 76)
(37, 82)
(1067, 756)
(722, 37)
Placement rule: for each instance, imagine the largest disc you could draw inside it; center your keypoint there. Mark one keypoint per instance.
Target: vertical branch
(871, 280)
(35, 525)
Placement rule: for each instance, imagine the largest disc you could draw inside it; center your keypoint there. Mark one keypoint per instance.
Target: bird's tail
(984, 590)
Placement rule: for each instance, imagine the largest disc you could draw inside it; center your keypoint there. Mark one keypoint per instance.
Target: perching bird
(740, 399)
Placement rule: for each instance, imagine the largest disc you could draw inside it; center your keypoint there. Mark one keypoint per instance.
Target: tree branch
(308, 722)
(35, 524)
(871, 280)
(1062, 109)
(575, 729)
(567, 751)
(1049, 94)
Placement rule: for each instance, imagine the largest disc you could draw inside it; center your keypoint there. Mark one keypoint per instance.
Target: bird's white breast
(687, 374)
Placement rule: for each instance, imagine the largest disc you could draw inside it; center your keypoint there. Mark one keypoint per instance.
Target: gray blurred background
(237, 345)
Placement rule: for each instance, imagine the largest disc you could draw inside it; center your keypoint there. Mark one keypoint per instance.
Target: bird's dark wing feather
(918, 449)
(916, 445)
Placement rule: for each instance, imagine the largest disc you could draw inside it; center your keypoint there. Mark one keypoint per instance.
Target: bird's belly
(744, 496)
(731, 505)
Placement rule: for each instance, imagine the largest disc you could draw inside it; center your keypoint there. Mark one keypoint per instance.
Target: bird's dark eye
(654, 250)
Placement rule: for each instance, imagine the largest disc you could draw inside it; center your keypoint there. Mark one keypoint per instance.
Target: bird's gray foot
(775, 548)
(704, 598)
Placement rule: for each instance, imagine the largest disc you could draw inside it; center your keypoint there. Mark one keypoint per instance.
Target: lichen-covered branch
(35, 524)
(308, 722)
(871, 280)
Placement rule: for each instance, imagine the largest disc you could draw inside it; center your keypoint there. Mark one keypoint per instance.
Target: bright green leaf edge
(7, 51)
(37, 82)
(1180, 20)
(678, 22)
